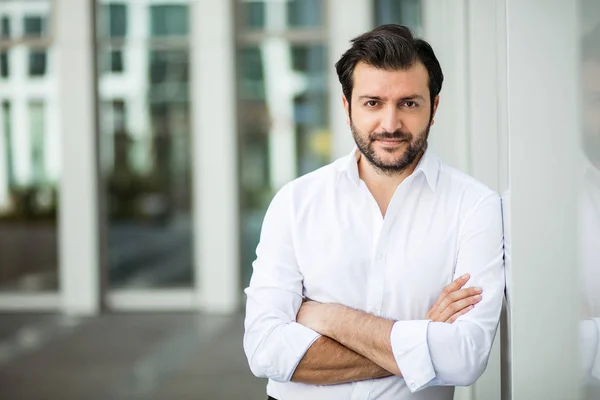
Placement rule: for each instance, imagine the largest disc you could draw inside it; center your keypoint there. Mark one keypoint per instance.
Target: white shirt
(324, 238)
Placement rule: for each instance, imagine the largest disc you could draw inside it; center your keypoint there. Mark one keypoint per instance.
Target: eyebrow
(405, 98)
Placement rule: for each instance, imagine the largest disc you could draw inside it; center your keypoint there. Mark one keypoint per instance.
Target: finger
(458, 314)
(459, 295)
(458, 306)
(450, 288)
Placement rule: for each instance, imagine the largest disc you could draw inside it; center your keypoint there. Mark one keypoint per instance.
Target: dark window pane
(4, 67)
(118, 20)
(168, 76)
(251, 74)
(404, 12)
(304, 13)
(33, 26)
(253, 15)
(116, 61)
(37, 62)
(5, 27)
(169, 20)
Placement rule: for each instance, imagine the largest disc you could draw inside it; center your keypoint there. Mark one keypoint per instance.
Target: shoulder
(313, 185)
(469, 190)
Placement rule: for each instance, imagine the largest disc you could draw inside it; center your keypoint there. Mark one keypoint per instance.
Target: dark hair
(390, 47)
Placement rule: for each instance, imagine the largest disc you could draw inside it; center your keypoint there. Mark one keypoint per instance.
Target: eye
(410, 104)
(371, 103)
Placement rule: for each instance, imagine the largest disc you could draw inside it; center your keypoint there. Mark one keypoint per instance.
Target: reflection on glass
(169, 20)
(590, 199)
(304, 13)
(145, 140)
(28, 154)
(37, 63)
(404, 12)
(34, 27)
(296, 14)
(4, 27)
(112, 23)
(4, 64)
(283, 125)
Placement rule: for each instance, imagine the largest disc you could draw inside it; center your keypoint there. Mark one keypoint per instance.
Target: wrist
(335, 317)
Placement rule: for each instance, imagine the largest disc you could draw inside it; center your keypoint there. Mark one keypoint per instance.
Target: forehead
(372, 81)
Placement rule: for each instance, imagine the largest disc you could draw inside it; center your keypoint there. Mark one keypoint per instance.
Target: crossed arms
(288, 339)
(346, 354)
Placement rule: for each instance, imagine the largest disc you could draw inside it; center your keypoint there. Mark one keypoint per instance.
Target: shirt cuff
(296, 340)
(411, 352)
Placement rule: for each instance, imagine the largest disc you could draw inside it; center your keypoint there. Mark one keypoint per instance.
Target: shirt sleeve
(440, 354)
(274, 342)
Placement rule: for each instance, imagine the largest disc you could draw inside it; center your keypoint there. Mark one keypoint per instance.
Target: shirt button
(379, 256)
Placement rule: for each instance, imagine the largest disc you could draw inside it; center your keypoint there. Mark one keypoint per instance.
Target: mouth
(390, 142)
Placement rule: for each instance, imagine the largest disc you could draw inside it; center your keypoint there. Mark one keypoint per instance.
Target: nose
(390, 120)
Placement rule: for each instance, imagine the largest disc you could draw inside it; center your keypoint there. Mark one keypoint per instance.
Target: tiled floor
(125, 356)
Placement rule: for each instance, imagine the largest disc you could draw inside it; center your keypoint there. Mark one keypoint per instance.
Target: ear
(347, 108)
(436, 102)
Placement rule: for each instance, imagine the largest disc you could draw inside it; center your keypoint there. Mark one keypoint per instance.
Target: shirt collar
(428, 165)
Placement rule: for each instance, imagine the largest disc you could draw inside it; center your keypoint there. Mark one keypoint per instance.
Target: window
(404, 12)
(4, 64)
(117, 20)
(169, 20)
(253, 14)
(116, 61)
(33, 26)
(37, 62)
(145, 143)
(283, 133)
(4, 27)
(304, 13)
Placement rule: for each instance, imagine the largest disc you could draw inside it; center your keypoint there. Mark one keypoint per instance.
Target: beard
(415, 145)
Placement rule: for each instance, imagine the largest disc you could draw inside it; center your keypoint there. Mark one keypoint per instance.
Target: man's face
(390, 115)
(591, 114)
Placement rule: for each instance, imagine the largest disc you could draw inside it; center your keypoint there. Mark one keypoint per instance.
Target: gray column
(78, 213)
(542, 269)
(214, 156)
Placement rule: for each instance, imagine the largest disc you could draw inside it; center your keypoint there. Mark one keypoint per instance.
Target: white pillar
(445, 28)
(543, 280)
(482, 136)
(346, 19)
(214, 156)
(78, 213)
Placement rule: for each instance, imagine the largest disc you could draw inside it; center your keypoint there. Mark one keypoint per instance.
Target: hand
(454, 301)
(314, 315)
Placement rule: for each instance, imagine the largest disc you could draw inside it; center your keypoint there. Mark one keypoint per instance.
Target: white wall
(542, 278)
(500, 123)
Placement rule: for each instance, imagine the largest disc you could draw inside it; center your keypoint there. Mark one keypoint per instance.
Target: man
(352, 257)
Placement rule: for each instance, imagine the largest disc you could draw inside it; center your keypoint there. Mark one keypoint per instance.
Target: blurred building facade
(142, 140)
